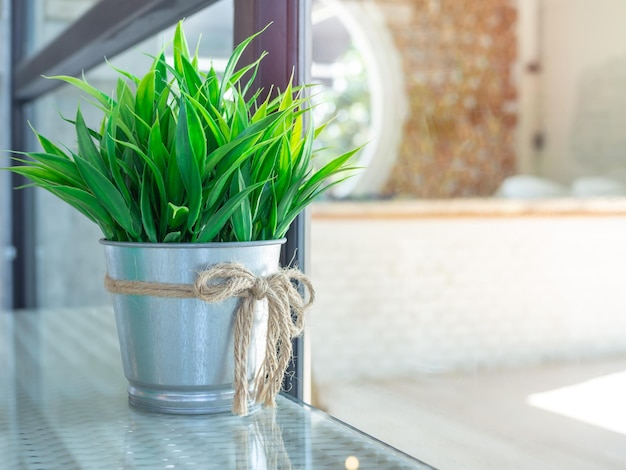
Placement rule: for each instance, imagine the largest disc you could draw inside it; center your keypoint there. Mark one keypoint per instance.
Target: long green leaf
(214, 224)
(181, 49)
(160, 74)
(87, 205)
(86, 200)
(86, 147)
(109, 145)
(231, 163)
(62, 167)
(149, 163)
(245, 140)
(270, 228)
(239, 120)
(38, 174)
(147, 218)
(195, 131)
(132, 77)
(233, 61)
(187, 157)
(209, 120)
(48, 146)
(283, 181)
(125, 105)
(156, 149)
(108, 195)
(144, 104)
(253, 68)
(329, 169)
(106, 101)
(211, 88)
(241, 219)
(192, 79)
(286, 200)
(302, 151)
(173, 181)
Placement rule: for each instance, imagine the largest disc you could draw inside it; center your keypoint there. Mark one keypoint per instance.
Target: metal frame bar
(108, 28)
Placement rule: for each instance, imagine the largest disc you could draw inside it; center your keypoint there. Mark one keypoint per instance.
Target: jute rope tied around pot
(286, 309)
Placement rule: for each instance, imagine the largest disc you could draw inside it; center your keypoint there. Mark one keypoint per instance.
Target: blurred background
(471, 308)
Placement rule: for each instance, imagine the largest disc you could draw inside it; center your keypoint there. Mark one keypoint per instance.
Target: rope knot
(260, 288)
(222, 282)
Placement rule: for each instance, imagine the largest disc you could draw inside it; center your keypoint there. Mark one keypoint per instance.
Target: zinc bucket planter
(178, 353)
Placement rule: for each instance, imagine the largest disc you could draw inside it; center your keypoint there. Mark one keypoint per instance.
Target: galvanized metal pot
(178, 353)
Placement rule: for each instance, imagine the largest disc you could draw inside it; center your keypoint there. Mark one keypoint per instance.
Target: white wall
(582, 96)
(403, 295)
(527, 84)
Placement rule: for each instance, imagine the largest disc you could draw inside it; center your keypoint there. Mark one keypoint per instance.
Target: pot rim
(280, 241)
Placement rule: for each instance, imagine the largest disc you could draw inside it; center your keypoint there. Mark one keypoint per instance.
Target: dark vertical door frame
(23, 268)
(286, 45)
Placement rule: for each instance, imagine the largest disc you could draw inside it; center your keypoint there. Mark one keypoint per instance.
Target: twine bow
(286, 309)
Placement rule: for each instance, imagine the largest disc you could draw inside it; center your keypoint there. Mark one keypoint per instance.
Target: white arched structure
(371, 37)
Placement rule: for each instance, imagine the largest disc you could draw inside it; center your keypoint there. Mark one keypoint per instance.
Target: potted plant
(194, 178)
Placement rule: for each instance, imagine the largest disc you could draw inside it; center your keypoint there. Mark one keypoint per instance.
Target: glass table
(63, 405)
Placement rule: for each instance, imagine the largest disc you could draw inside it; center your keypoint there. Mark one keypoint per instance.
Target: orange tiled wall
(457, 57)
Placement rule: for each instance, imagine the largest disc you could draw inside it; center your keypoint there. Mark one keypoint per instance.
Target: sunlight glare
(599, 402)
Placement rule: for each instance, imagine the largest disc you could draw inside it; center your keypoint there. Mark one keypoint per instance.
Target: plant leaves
(232, 63)
(147, 218)
(105, 101)
(108, 195)
(192, 81)
(144, 104)
(189, 148)
(172, 237)
(176, 215)
(181, 49)
(160, 74)
(156, 149)
(216, 221)
(241, 219)
(183, 155)
(86, 147)
(85, 203)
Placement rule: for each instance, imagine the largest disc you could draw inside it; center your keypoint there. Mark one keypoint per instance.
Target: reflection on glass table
(63, 405)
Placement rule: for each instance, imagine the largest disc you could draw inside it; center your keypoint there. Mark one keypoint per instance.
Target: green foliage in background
(345, 104)
(187, 156)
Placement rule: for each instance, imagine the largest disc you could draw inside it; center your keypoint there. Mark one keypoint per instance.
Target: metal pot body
(178, 354)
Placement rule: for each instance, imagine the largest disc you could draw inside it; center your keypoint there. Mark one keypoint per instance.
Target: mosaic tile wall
(458, 57)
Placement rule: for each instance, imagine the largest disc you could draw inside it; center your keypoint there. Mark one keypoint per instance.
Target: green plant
(187, 156)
